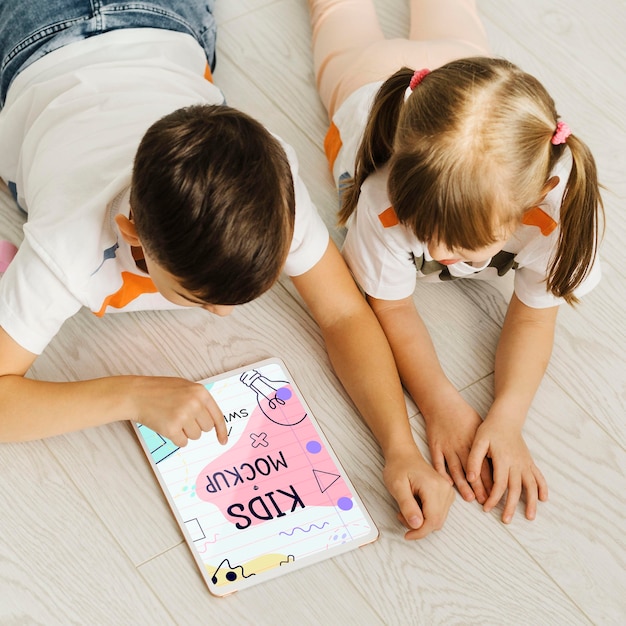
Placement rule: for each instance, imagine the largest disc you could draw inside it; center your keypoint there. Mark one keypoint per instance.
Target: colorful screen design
(274, 496)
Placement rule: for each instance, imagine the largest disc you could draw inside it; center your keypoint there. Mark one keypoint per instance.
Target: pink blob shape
(252, 485)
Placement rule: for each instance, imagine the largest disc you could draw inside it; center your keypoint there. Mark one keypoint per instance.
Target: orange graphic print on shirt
(332, 145)
(538, 217)
(132, 287)
(388, 218)
(533, 217)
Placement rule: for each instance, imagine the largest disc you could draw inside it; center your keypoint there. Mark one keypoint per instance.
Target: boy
(144, 191)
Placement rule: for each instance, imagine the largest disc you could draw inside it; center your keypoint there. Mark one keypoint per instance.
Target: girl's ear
(550, 185)
(128, 230)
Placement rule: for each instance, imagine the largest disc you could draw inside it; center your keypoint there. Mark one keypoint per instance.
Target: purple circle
(345, 504)
(313, 447)
(283, 393)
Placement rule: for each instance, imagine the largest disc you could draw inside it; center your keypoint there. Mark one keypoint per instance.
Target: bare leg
(350, 50)
(342, 31)
(455, 21)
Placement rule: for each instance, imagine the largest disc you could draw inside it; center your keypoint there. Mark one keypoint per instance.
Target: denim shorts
(29, 29)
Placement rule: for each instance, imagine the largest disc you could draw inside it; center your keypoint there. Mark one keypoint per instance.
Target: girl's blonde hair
(469, 152)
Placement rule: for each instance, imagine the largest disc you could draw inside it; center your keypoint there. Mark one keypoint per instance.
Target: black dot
(231, 576)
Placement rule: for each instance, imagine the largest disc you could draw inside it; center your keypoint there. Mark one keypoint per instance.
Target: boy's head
(213, 203)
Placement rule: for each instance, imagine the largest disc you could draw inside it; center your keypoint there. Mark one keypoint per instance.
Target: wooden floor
(86, 535)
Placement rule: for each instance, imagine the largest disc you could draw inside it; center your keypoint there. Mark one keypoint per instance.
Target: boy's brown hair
(213, 202)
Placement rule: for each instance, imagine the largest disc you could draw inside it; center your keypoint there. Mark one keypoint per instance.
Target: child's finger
(457, 472)
(218, 419)
(500, 483)
(487, 477)
(207, 423)
(411, 513)
(542, 484)
(179, 439)
(439, 464)
(435, 512)
(192, 430)
(483, 483)
(513, 497)
(531, 493)
(475, 459)
(415, 533)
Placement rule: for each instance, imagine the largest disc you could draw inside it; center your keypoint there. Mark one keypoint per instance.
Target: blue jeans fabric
(29, 29)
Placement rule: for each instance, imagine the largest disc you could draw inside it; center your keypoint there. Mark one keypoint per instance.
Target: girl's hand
(176, 408)
(450, 428)
(513, 467)
(424, 497)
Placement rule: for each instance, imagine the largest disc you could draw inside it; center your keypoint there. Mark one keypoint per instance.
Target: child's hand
(450, 428)
(424, 497)
(176, 408)
(513, 467)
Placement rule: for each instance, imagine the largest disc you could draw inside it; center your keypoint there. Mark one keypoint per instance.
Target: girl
(459, 170)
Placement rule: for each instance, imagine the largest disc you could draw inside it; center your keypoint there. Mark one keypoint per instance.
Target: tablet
(273, 499)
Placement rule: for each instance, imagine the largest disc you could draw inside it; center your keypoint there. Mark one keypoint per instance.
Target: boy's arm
(30, 409)
(364, 363)
(522, 357)
(451, 422)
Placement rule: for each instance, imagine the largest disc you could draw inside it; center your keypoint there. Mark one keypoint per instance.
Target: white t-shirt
(69, 132)
(386, 257)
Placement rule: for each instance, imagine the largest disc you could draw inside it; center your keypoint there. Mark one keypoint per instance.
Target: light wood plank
(59, 564)
(11, 220)
(578, 536)
(302, 597)
(283, 71)
(226, 11)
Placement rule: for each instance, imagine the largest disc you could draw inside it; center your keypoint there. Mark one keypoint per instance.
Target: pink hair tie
(562, 132)
(417, 78)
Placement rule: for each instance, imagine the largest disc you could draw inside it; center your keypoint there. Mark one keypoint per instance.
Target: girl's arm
(362, 360)
(451, 422)
(521, 360)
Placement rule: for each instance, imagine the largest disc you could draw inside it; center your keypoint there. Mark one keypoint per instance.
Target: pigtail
(581, 213)
(377, 143)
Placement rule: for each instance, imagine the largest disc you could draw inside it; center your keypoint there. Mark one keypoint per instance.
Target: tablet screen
(273, 499)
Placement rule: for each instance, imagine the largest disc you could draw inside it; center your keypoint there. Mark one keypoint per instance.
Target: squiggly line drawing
(282, 532)
(231, 575)
(290, 559)
(206, 543)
